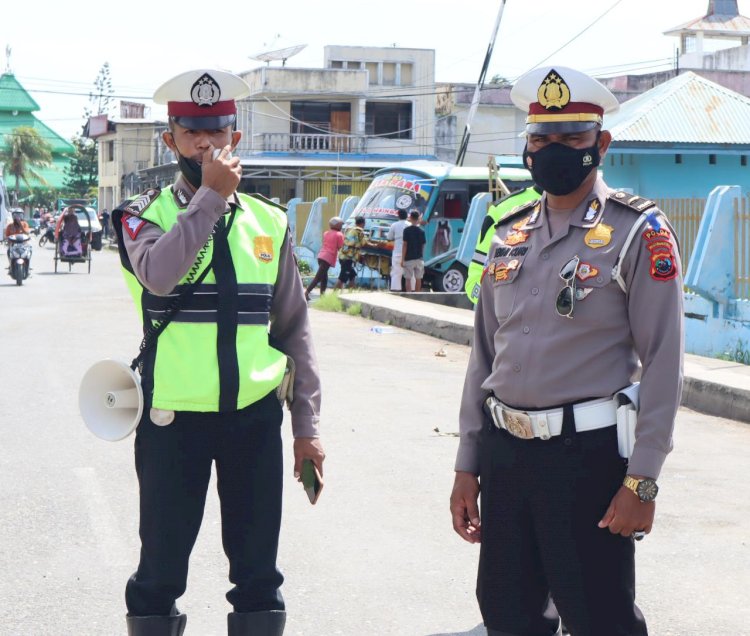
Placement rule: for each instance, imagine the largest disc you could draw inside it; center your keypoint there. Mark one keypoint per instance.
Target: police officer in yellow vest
(212, 381)
(496, 212)
(581, 296)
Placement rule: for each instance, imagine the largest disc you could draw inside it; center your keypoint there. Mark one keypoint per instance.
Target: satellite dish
(278, 54)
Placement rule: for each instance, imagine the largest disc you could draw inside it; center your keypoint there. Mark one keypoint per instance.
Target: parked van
(443, 196)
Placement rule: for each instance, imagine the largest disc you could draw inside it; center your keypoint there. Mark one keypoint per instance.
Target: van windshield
(395, 191)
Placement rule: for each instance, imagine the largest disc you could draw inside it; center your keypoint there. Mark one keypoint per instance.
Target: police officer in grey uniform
(581, 294)
(175, 450)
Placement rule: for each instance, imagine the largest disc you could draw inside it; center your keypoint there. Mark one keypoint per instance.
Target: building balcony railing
(294, 142)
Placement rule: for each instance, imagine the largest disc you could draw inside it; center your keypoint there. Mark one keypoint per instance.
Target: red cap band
(535, 108)
(190, 109)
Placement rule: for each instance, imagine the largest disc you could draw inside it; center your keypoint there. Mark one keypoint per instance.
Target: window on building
(110, 151)
(389, 74)
(678, 158)
(712, 160)
(319, 118)
(337, 64)
(407, 74)
(392, 120)
(743, 160)
(373, 68)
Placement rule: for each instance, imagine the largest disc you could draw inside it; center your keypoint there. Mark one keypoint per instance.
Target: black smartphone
(311, 480)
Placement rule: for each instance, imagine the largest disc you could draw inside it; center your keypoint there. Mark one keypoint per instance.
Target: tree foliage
(100, 100)
(82, 173)
(498, 81)
(25, 152)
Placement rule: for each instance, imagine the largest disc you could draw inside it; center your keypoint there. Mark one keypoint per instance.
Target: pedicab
(73, 243)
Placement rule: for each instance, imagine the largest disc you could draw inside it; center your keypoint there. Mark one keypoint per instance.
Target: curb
(699, 395)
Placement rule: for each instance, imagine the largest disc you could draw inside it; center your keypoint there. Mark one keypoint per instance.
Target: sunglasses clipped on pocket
(566, 298)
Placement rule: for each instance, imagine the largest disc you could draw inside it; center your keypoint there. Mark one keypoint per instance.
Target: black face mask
(560, 169)
(191, 170)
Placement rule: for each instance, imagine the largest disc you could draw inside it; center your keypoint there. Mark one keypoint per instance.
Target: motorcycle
(19, 254)
(48, 236)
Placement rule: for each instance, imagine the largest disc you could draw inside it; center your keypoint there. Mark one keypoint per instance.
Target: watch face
(647, 490)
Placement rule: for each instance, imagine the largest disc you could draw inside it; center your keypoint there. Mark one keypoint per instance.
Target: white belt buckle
(518, 424)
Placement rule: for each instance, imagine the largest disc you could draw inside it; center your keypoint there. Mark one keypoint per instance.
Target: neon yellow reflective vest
(494, 214)
(215, 354)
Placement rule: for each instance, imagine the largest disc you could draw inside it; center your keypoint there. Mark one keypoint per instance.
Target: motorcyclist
(18, 226)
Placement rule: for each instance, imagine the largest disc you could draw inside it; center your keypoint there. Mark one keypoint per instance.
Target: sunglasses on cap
(566, 298)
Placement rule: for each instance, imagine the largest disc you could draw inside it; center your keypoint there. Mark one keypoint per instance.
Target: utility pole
(478, 90)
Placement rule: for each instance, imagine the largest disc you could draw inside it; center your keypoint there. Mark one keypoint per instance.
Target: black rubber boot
(156, 625)
(256, 623)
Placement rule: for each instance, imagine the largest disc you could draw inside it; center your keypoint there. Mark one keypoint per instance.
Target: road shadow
(479, 630)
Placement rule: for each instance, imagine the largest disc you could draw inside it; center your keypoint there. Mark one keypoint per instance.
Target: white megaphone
(111, 400)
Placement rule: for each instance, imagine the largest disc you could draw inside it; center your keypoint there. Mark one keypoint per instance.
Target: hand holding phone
(311, 480)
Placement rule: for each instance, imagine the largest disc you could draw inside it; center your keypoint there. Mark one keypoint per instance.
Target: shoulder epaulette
(268, 201)
(632, 201)
(137, 206)
(508, 197)
(517, 211)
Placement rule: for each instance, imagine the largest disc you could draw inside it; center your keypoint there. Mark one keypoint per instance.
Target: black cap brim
(548, 127)
(205, 123)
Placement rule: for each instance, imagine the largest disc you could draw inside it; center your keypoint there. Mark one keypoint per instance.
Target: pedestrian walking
(349, 254)
(579, 288)
(413, 253)
(396, 234)
(333, 240)
(215, 382)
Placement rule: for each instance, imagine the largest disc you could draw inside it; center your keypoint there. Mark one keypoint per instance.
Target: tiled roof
(687, 109)
(13, 96)
(8, 122)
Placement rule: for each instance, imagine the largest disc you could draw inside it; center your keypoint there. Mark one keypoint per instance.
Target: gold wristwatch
(645, 488)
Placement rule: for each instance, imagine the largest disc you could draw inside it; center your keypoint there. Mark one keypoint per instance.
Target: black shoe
(270, 623)
(156, 625)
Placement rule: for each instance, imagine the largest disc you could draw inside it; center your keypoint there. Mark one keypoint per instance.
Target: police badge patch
(132, 224)
(263, 248)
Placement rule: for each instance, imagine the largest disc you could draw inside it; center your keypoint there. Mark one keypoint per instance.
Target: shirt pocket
(599, 299)
(502, 274)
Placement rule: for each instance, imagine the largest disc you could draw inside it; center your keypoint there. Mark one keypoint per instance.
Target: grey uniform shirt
(532, 358)
(160, 260)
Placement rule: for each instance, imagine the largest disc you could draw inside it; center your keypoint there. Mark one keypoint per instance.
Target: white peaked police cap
(558, 99)
(203, 99)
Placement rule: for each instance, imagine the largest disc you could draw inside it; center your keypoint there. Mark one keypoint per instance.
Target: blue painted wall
(658, 176)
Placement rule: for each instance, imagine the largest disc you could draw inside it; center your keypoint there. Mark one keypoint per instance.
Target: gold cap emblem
(553, 93)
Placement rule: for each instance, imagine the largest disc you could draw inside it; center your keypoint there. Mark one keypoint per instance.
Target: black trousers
(173, 464)
(540, 505)
(321, 276)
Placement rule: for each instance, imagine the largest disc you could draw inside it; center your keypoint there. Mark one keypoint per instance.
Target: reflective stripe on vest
(253, 307)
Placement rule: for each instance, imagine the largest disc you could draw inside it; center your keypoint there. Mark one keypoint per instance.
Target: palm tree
(24, 151)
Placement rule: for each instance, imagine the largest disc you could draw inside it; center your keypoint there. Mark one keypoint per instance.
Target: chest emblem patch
(586, 271)
(582, 292)
(263, 248)
(520, 224)
(598, 236)
(514, 238)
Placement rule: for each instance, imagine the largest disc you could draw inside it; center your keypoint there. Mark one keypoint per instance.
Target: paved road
(377, 555)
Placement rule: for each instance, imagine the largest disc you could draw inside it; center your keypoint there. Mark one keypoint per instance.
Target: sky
(58, 53)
